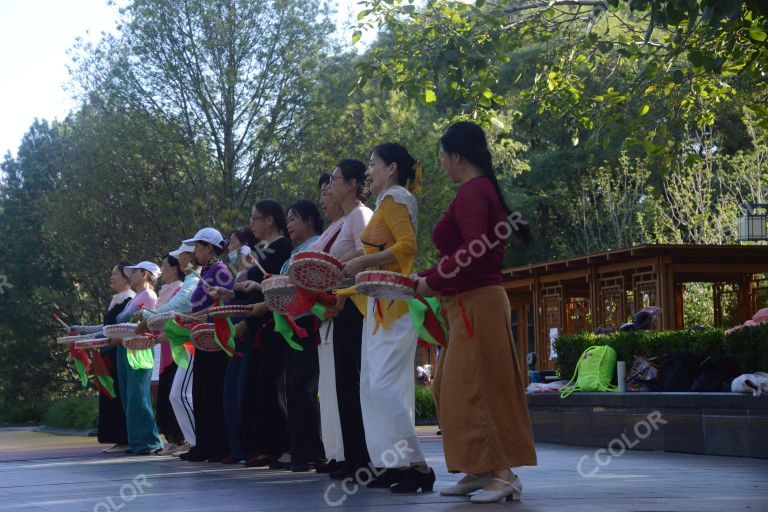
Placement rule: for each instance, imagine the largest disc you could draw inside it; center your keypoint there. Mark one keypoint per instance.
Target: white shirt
(348, 243)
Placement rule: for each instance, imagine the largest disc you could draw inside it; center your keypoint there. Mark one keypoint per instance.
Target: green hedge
(77, 413)
(425, 404)
(21, 413)
(749, 346)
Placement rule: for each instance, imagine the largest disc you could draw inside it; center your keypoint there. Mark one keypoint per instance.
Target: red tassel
(258, 340)
(188, 326)
(300, 332)
(302, 302)
(433, 327)
(464, 317)
(80, 355)
(224, 333)
(326, 299)
(467, 323)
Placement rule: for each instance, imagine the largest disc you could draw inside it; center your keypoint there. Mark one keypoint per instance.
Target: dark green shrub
(77, 413)
(749, 346)
(21, 413)
(425, 404)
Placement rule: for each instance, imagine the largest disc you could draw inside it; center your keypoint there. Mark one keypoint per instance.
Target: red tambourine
(315, 271)
(203, 337)
(235, 310)
(157, 321)
(141, 342)
(381, 284)
(278, 292)
(92, 343)
(126, 330)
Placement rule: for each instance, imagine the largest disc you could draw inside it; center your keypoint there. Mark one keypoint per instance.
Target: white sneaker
(118, 448)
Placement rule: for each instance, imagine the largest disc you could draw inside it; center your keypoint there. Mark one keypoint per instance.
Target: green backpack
(594, 371)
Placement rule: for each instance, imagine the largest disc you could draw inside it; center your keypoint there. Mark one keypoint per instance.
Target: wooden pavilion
(584, 293)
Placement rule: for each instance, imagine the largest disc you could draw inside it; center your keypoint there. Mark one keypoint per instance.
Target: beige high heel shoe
(512, 492)
(467, 487)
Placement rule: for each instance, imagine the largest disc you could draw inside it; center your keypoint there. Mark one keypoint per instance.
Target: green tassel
(177, 337)
(80, 367)
(286, 331)
(141, 359)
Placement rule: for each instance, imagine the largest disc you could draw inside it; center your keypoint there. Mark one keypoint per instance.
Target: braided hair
(468, 140)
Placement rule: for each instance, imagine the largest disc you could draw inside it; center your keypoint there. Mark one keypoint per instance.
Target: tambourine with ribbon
(126, 330)
(278, 292)
(203, 337)
(315, 271)
(157, 321)
(141, 342)
(382, 284)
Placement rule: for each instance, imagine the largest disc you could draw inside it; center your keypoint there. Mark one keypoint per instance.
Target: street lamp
(752, 225)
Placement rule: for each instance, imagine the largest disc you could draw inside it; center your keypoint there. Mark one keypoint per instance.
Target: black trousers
(302, 374)
(111, 426)
(166, 419)
(267, 426)
(347, 348)
(208, 403)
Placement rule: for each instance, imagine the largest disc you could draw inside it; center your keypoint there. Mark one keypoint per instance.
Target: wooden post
(594, 298)
(679, 306)
(538, 323)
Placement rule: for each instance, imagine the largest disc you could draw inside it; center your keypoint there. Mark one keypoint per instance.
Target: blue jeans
(234, 383)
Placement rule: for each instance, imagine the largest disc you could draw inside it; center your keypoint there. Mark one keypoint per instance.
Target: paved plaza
(46, 472)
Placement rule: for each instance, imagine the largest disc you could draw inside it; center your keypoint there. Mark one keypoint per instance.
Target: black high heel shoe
(387, 479)
(413, 480)
(329, 466)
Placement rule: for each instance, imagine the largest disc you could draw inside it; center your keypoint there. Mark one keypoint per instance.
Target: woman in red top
(479, 389)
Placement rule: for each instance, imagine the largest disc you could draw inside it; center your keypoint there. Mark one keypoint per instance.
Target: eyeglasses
(332, 178)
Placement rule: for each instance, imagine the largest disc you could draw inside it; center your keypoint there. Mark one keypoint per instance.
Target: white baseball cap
(144, 265)
(209, 235)
(181, 250)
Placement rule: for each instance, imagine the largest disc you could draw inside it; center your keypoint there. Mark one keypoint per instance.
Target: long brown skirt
(479, 389)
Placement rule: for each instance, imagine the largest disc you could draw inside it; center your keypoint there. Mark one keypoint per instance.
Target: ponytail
(468, 140)
(270, 208)
(409, 172)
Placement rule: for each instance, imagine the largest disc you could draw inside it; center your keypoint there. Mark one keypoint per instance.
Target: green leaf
(549, 13)
(362, 14)
(479, 3)
(450, 55)
(429, 96)
(757, 34)
(645, 109)
(498, 123)
(356, 36)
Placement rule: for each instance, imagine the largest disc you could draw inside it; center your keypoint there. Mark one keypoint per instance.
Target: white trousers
(387, 392)
(181, 401)
(330, 424)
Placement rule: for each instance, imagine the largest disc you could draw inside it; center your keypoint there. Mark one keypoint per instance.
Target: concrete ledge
(732, 424)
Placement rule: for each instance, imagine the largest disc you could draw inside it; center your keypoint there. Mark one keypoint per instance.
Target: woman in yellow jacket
(389, 337)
